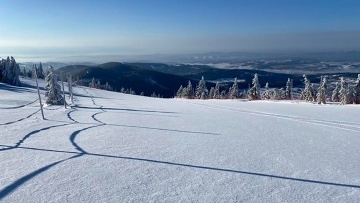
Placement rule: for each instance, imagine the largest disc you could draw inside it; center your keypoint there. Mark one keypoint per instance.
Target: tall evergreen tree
(10, 71)
(217, 94)
(254, 92)
(34, 68)
(335, 97)
(188, 91)
(308, 93)
(234, 90)
(321, 94)
(344, 91)
(179, 93)
(201, 90)
(23, 72)
(53, 89)
(357, 91)
(92, 83)
(288, 90)
(211, 93)
(40, 72)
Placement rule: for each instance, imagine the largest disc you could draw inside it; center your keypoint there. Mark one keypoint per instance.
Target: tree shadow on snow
(78, 154)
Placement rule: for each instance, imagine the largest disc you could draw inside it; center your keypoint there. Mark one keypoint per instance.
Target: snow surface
(112, 147)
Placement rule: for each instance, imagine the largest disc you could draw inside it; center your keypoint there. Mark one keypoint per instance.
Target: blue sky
(136, 27)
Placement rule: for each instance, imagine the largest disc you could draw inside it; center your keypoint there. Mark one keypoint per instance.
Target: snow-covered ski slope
(112, 147)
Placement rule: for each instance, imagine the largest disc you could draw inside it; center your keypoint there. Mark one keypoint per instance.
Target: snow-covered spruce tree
(234, 90)
(2, 64)
(179, 93)
(357, 91)
(10, 72)
(288, 90)
(223, 94)
(335, 97)
(266, 95)
(211, 93)
(344, 92)
(217, 94)
(254, 92)
(201, 90)
(40, 72)
(92, 83)
(188, 91)
(308, 93)
(321, 94)
(53, 89)
(23, 72)
(33, 74)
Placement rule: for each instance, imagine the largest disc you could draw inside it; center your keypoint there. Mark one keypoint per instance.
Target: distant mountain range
(165, 79)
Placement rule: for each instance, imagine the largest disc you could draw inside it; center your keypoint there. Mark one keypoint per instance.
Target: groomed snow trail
(112, 147)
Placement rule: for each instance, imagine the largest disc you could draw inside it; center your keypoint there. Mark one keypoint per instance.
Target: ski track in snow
(355, 127)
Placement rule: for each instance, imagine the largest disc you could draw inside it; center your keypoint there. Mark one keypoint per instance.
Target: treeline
(343, 92)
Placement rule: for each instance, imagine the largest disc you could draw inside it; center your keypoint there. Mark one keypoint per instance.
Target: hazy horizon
(56, 29)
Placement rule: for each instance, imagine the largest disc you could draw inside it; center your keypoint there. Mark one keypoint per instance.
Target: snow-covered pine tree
(23, 72)
(211, 93)
(2, 64)
(254, 92)
(217, 94)
(223, 94)
(188, 91)
(288, 90)
(10, 72)
(40, 72)
(234, 90)
(29, 74)
(53, 89)
(321, 94)
(344, 97)
(33, 74)
(98, 84)
(122, 90)
(357, 91)
(308, 92)
(266, 95)
(335, 97)
(92, 83)
(201, 90)
(179, 93)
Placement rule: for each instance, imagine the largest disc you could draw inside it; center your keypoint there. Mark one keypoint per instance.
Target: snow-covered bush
(266, 95)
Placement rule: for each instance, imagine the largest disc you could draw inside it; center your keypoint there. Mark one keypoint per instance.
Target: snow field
(112, 147)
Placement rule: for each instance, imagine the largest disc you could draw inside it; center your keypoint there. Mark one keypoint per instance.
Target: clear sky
(136, 27)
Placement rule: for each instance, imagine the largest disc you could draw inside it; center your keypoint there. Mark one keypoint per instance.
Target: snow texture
(113, 147)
